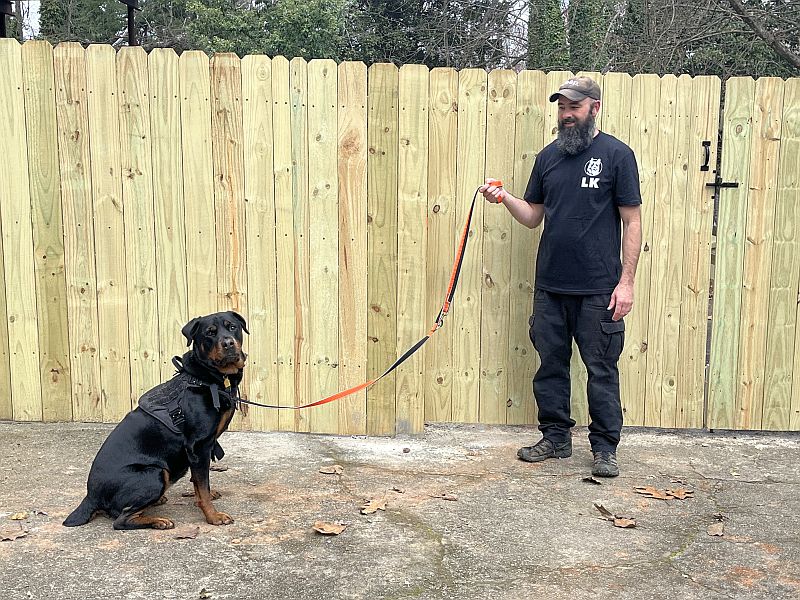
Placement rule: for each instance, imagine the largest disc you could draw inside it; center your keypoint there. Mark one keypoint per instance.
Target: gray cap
(577, 88)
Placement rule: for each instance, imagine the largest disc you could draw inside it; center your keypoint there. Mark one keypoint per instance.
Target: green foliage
(227, 26)
(547, 37)
(86, 21)
(307, 28)
(588, 29)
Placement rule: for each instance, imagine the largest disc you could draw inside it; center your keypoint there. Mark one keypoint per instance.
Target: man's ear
(241, 320)
(190, 329)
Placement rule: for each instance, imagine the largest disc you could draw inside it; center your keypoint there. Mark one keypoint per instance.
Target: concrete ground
(464, 519)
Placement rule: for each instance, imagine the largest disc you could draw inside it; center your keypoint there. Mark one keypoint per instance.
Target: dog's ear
(190, 329)
(241, 320)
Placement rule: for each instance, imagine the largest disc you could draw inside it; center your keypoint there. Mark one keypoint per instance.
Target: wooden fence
(324, 202)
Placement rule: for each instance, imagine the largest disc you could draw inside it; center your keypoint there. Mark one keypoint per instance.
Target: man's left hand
(621, 300)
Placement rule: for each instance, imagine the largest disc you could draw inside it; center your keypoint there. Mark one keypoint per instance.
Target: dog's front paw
(219, 518)
(162, 523)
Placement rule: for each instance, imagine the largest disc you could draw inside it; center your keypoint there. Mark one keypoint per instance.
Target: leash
(451, 290)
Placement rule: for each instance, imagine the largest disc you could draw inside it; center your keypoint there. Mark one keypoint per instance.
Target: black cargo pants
(556, 320)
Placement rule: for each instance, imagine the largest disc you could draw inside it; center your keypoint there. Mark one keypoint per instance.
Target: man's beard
(574, 140)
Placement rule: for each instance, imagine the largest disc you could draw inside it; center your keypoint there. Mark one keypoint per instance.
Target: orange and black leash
(451, 290)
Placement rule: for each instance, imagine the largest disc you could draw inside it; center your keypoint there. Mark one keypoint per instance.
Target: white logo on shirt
(594, 167)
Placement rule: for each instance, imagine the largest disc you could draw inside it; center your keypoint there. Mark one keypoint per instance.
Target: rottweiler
(173, 430)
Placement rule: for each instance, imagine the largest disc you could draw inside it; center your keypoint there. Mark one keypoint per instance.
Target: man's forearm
(631, 247)
(526, 213)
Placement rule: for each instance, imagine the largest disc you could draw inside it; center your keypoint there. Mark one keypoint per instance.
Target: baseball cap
(577, 88)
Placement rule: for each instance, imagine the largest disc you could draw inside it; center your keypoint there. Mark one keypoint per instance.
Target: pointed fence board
(529, 136)
(136, 171)
(442, 230)
(168, 195)
(496, 249)
(729, 253)
(412, 208)
(323, 242)
(382, 165)
(466, 312)
(262, 318)
(696, 266)
(48, 238)
(79, 249)
(643, 139)
(17, 233)
(109, 231)
(352, 170)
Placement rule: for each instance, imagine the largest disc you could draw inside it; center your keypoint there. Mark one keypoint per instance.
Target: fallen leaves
(618, 520)
(326, 528)
(591, 480)
(9, 535)
(676, 493)
(204, 594)
(188, 532)
(651, 492)
(373, 506)
(20, 516)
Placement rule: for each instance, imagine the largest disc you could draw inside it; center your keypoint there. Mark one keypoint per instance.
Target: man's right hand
(493, 193)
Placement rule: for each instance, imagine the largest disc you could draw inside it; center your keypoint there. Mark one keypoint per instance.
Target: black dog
(174, 429)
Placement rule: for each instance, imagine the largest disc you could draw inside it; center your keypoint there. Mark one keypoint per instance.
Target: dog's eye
(211, 331)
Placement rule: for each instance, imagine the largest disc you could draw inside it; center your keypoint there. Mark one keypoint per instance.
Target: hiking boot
(545, 449)
(605, 464)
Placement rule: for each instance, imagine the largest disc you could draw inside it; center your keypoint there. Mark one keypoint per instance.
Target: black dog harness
(166, 401)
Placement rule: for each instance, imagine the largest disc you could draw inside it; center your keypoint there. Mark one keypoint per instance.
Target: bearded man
(585, 186)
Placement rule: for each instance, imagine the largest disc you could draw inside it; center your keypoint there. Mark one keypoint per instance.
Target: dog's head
(217, 340)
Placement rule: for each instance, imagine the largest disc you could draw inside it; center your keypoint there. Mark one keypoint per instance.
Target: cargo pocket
(615, 333)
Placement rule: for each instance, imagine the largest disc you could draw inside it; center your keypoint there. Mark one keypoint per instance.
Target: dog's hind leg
(145, 491)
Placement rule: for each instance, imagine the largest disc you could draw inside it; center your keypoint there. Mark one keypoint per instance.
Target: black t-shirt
(580, 248)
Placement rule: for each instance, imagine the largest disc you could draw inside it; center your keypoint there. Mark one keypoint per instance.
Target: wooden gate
(755, 353)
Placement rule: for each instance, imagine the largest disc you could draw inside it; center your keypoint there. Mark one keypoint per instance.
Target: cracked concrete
(513, 530)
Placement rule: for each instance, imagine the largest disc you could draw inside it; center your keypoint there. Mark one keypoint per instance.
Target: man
(583, 185)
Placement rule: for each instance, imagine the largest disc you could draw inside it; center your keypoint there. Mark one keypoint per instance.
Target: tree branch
(765, 35)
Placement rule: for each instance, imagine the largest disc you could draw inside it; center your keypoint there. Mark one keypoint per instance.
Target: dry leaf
(651, 492)
(604, 511)
(332, 470)
(373, 506)
(20, 516)
(624, 522)
(618, 520)
(681, 493)
(205, 594)
(398, 490)
(716, 529)
(9, 535)
(189, 532)
(328, 528)
(218, 468)
(591, 480)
